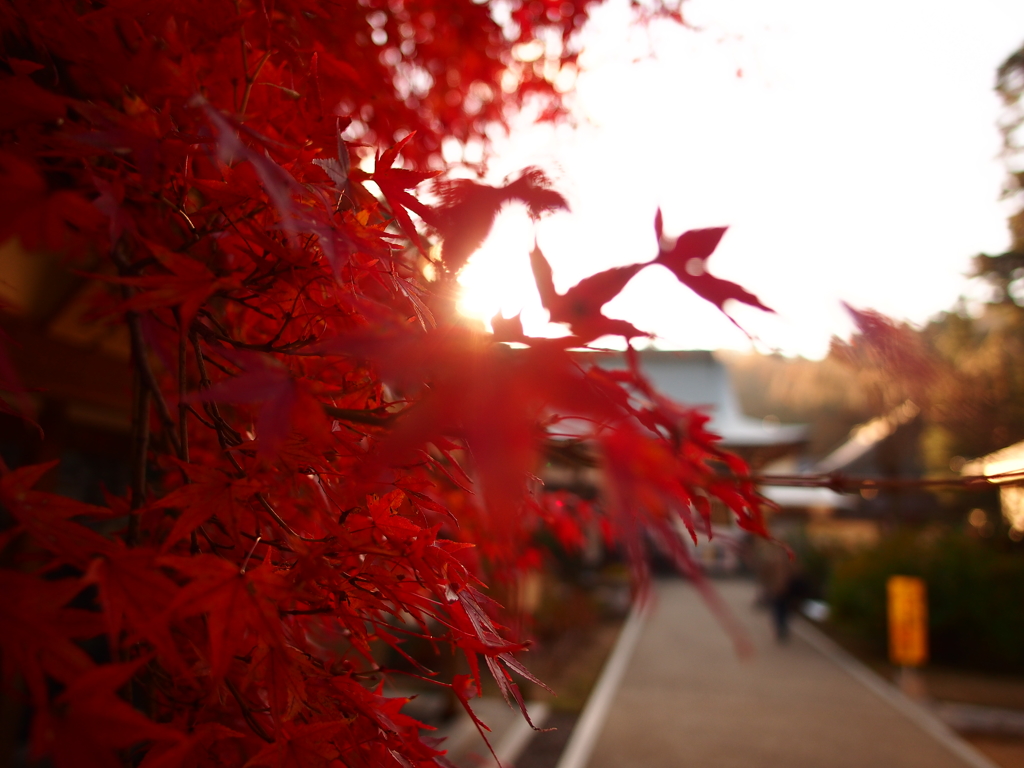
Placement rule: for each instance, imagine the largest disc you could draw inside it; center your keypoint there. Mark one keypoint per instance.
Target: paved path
(687, 701)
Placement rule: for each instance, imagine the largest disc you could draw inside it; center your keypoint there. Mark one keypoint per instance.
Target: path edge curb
(919, 714)
(588, 728)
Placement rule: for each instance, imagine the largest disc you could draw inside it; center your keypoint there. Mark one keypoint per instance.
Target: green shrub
(975, 597)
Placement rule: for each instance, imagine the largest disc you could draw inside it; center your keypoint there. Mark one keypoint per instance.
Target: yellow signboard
(908, 621)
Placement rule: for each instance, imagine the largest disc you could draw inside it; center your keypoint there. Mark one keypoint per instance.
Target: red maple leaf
(468, 208)
(134, 595)
(89, 722)
(263, 381)
(238, 605)
(260, 576)
(186, 284)
(210, 493)
(687, 261)
(49, 518)
(37, 632)
(40, 218)
(13, 396)
(580, 306)
(308, 745)
(394, 184)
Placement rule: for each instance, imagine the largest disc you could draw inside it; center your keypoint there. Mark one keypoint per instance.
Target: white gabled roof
(866, 436)
(697, 379)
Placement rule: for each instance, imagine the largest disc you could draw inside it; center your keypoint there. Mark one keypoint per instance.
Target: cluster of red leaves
(895, 361)
(580, 307)
(883, 343)
(324, 457)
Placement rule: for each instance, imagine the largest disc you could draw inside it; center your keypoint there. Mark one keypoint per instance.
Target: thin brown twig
(214, 546)
(279, 544)
(234, 224)
(226, 434)
(290, 314)
(305, 611)
(183, 407)
(138, 347)
(250, 307)
(221, 367)
(140, 452)
(250, 81)
(245, 563)
(149, 378)
(247, 712)
(203, 421)
(281, 521)
(377, 417)
(284, 349)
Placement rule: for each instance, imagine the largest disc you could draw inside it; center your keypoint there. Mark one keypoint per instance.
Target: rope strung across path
(842, 484)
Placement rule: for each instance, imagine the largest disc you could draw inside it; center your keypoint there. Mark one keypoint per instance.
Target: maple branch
(286, 349)
(140, 450)
(149, 379)
(275, 543)
(220, 334)
(220, 367)
(226, 435)
(199, 416)
(183, 407)
(284, 324)
(145, 389)
(196, 237)
(213, 320)
(842, 484)
(305, 611)
(247, 712)
(250, 307)
(250, 79)
(255, 211)
(245, 563)
(138, 347)
(281, 522)
(255, 277)
(361, 416)
(214, 546)
(290, 314)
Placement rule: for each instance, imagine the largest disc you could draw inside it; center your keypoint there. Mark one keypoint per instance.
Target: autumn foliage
(325, 459)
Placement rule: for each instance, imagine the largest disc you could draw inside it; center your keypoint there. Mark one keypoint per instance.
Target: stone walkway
(686, 701)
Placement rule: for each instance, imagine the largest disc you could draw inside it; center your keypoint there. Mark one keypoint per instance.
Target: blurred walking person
(779, 576)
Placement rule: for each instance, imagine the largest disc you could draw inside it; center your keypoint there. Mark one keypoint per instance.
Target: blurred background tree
(962, 369)
(984, 345)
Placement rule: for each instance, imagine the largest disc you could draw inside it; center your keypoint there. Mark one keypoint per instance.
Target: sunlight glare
(842, 178)
(498, 278)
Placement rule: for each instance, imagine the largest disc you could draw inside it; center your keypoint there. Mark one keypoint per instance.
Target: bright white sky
(854, 160)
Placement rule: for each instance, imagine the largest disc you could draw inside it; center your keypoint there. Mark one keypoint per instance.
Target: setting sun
(498, 278)
(846, 181)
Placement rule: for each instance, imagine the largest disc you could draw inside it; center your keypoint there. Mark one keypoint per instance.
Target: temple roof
(698, 379)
